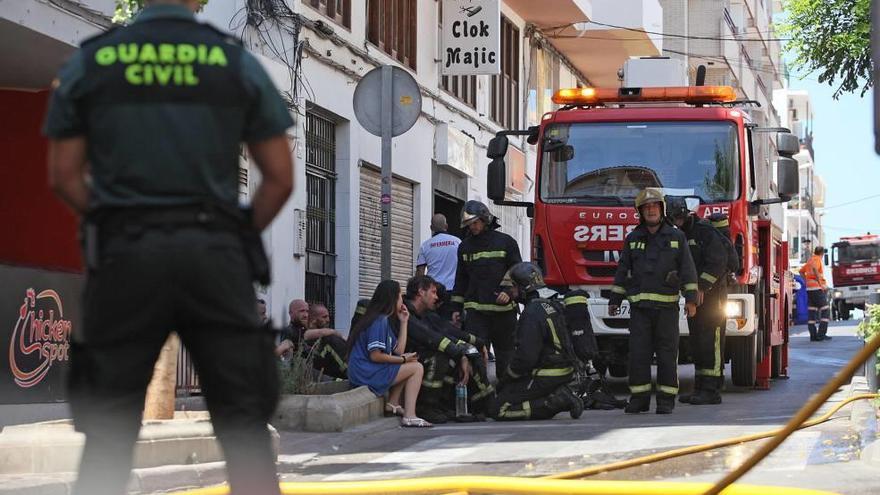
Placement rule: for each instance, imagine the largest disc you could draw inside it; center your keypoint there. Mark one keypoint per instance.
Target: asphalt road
(822, 457)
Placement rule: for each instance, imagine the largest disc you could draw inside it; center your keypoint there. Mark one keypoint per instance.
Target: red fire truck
(855, 269)
(603, 146)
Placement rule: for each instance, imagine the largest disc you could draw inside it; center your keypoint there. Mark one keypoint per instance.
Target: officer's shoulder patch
(547, 306)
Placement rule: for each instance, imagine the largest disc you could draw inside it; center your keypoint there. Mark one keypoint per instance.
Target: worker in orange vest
(817, 300)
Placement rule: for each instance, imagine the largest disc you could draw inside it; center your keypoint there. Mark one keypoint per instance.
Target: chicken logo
(41, 337)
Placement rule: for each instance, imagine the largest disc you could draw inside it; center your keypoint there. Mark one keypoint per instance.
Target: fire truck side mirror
(786, 177)
(826, 258)
(496, 179)
(497, 147)
(787, 144)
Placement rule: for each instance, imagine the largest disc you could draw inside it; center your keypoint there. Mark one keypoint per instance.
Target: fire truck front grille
(601, 271)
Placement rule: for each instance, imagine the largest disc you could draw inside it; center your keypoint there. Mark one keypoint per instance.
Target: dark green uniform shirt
(164, 105)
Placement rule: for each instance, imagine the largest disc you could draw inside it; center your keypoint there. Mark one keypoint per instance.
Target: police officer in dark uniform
(483, 259)
(543, 364)
(707, 328)
(145, 126)
(448, 355)
(655, 265)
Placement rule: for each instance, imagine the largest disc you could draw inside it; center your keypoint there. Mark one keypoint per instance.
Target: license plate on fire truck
(623, 313)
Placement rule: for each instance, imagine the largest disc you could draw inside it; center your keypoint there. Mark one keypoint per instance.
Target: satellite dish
(406, 101)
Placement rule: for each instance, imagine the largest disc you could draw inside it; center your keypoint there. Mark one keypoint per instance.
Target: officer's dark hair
(383, 303)
(819, 250)
(418, 283)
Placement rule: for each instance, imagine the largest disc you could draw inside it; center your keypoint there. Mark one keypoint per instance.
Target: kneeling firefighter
(707, 327)
(543, 363)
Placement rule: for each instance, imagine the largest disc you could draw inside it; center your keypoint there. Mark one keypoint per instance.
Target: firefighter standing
(483, 259)
(535, 385)
(150, 158)
(817, 299)
(655, 265)
(707, 327)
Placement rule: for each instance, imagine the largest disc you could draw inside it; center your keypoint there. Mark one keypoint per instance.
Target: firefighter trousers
(819, 310)
(441, 375)
(707, 329)
(329, 356)
(497, 328)
(530, 397)
(653, 331)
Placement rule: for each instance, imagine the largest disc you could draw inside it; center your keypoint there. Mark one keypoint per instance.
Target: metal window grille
(187, 379)
(321, 211)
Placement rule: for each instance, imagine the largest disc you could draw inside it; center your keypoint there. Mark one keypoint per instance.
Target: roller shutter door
(370, 235)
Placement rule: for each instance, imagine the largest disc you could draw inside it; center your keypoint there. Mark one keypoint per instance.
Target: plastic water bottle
(461, 408)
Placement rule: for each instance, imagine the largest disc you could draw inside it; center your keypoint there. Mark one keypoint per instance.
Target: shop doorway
(451, 207)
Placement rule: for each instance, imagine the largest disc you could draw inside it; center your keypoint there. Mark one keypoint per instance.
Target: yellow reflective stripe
(488, 307)
(690, 287)
(692, 242)
(444, 344)
(448, 379)
(636, 245)
(721, 223)
(618, 289)
(640, 389)
(482, 393)
(360, 310)
(667, 389)
(554, 371)
(458, 299)
(432, 383)
(484, 254)
(717, 365)
(673, 244)
(648, 296)
(556, 343)
(708, 277)
(575, 300)
(505, 411)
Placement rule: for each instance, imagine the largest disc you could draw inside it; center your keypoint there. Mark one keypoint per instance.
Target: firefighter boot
(563, 399)
(638, 403)
(709, 394)
(698, 385)
(665, 403)
(576, 405)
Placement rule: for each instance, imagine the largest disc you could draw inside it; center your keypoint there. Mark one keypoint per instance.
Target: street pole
(387, 95)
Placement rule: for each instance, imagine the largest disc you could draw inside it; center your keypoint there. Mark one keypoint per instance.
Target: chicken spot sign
(471, 37)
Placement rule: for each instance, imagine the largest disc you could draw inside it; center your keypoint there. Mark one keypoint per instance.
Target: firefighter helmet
(525, 276)
(676, 207)
(650, 195)
(473, 210)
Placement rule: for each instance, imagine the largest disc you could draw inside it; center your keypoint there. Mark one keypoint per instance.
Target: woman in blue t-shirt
(376, 358)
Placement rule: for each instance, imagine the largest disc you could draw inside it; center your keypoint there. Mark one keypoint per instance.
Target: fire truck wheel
(743, 360)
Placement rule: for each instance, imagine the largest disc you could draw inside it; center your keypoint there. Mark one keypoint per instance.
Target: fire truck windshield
(608, 163)
(854, 253)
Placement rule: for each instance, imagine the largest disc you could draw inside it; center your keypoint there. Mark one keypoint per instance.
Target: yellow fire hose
(564, 483)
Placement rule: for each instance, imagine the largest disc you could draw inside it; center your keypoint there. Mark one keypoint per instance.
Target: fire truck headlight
(837, 293)
(735, 309)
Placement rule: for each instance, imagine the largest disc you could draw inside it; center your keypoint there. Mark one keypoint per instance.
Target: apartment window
(505, 87)
(321, 211)
(338, 10)
(391, 25)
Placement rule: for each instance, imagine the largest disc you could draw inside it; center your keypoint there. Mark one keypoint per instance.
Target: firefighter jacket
(654, 268)
(483, 260)
(708, 252)
(422, 337)
(543, 344)
(813, 273)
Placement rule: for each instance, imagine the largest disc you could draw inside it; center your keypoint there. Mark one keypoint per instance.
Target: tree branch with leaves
(832, 38)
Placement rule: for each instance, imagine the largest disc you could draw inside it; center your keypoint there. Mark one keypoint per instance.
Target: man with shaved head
(438, 257)
(309, 333)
